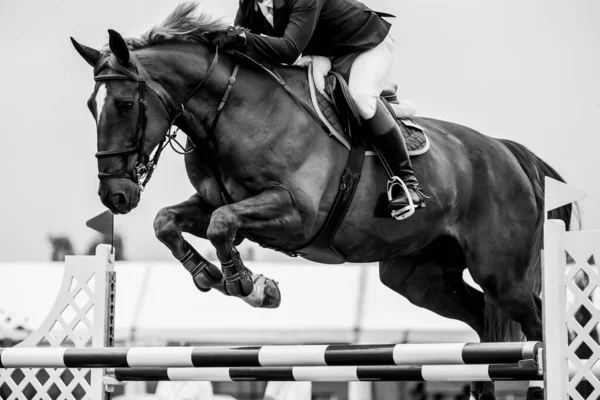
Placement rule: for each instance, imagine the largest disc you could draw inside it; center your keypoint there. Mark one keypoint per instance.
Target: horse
(264, 169)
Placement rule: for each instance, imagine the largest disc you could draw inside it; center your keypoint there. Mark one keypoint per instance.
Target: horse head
(133, 114)
(174, 75)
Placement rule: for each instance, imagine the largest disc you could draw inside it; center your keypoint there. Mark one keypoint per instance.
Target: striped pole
(437, 373)
(270, 356)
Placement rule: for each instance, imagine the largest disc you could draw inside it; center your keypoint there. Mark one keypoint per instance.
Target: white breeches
(369, 74)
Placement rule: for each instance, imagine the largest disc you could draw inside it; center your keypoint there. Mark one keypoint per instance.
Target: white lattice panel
(77, 319)
(567, 375)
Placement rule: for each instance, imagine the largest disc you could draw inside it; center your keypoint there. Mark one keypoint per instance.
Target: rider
(358, 41)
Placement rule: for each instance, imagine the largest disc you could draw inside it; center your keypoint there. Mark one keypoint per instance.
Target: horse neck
(178, 68)
(258, 115)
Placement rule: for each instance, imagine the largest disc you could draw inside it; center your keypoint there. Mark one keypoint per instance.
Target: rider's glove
(230, 38)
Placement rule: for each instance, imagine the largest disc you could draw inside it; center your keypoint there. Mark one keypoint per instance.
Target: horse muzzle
(119, 195)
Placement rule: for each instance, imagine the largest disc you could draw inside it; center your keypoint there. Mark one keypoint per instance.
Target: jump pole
(271, 356)
(527, 371)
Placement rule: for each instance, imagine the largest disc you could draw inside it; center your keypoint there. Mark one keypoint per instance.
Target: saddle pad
(414, 134)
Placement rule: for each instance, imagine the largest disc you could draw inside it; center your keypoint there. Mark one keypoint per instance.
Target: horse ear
(90, 55)
(118, 47)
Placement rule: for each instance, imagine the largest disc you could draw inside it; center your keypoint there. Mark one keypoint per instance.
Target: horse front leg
(269, 214)
(191, 216)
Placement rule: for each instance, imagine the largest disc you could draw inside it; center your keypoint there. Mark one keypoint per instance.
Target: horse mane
(186, 23)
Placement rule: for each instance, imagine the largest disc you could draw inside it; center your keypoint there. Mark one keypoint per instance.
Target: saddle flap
(336, 108)
(340, 94)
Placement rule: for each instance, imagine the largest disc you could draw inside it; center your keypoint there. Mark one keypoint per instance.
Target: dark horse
(264, 169)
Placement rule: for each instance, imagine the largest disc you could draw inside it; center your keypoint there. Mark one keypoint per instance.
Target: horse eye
(126, 106)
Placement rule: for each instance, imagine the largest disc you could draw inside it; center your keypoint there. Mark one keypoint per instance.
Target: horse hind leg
(433, 280)
(519, 303)
(428, 286)
(510, 287)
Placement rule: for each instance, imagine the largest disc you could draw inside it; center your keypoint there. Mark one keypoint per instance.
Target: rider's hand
(303, 61)
(231, 38)
(321, 67)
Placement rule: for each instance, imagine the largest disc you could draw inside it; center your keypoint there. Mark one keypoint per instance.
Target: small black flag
(103, 223)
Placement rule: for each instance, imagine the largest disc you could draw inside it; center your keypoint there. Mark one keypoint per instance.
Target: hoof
(482, 391)
(535, 393)
(266, 293)
(487, 396)
(207, 277)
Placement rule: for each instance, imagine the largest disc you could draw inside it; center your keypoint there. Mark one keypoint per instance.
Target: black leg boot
(403, 189)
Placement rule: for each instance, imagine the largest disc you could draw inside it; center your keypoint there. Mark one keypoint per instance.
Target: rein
(275, 75)
(144, 166)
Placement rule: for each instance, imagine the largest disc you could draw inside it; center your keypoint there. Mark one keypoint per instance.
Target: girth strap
(348, 184)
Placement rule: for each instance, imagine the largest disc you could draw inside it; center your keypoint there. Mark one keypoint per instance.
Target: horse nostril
(120, 199)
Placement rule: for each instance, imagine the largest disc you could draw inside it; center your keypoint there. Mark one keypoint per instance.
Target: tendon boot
(403, 189)
(204, 273)
(238, 278)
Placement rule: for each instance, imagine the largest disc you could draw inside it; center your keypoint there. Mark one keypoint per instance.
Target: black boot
(389, 143)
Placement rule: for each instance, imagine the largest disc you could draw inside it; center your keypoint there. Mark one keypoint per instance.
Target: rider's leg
(388, 138)
(368, 75)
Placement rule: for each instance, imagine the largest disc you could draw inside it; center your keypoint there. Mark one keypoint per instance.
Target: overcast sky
(523, 70)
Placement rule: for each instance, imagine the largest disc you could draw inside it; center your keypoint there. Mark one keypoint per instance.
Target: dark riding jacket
(330, 28)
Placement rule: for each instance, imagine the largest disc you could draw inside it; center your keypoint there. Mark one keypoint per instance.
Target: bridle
(144, 166)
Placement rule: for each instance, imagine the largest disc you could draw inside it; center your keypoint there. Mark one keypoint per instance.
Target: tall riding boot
(389, 142)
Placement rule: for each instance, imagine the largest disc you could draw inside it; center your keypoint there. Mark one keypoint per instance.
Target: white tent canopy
(157, 303)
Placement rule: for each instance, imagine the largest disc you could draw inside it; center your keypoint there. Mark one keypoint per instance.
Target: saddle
(336, 109)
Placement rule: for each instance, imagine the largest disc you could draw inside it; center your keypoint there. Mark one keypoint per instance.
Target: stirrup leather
(403, 212)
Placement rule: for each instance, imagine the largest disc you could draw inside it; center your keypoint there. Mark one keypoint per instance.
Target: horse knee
(165, 226)
(223, 226)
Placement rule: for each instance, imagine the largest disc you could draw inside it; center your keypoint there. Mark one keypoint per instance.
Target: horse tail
(536, 169)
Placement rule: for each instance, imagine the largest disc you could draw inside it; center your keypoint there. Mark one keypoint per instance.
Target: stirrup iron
(403, 212)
